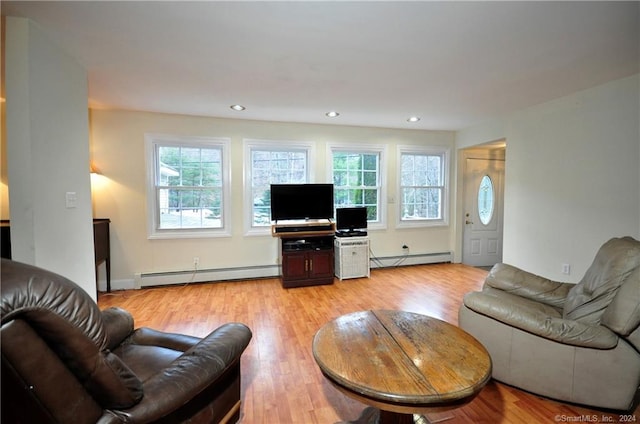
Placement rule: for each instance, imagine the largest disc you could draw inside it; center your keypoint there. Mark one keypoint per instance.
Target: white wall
(560, 155)
(47, 155)
(117, 146)
(571, 176)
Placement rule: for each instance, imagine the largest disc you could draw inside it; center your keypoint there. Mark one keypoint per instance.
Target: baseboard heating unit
(205, 275)
(417, 259)
(150, 279)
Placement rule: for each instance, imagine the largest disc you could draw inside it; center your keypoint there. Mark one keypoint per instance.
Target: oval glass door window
(485, 200)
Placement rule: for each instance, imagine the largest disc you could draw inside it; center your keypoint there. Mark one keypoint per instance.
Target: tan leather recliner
(578, 343)
(65, 361)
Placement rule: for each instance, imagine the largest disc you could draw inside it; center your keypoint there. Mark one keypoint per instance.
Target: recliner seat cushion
(145, 361)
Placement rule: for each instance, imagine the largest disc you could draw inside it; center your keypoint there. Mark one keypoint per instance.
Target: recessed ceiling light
(237, 107)
(413, 119)
(332, 114)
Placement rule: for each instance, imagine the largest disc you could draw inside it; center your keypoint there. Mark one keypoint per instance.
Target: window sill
(258, 231)
(188, 234)
(422, 223)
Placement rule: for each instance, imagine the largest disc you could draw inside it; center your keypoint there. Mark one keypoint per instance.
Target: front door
(483, 193)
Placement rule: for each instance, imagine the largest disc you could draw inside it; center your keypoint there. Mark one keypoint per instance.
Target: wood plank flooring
(281, 383)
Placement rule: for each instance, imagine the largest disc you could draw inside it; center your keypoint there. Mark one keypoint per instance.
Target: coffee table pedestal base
(372, 415)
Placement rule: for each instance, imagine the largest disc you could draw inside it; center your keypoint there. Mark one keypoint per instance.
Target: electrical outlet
(566, 269)
(196, 261)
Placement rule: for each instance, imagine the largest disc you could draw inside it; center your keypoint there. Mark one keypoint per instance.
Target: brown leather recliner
(65, 361)
(574, 342)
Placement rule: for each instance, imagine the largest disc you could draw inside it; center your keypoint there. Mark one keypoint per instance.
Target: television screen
(301, 201)
(351, 218)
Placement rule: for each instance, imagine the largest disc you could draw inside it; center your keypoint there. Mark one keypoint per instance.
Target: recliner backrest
(615, 263)
(622, 316)
(37, 386)
(69, 323)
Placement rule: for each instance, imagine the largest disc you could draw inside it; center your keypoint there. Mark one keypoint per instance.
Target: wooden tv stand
(307, 255)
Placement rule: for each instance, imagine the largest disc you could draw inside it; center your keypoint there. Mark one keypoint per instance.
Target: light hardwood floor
(281, 383)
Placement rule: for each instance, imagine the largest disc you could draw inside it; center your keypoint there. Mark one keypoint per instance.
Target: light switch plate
(71, 199)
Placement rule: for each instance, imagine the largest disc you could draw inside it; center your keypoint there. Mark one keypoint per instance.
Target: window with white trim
(357, 174)
(266, 163)
(423, 186)
(188, 186)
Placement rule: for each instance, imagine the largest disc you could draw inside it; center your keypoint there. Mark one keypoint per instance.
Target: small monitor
(351, 219)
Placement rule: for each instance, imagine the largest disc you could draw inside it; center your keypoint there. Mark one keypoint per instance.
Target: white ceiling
(453, 64)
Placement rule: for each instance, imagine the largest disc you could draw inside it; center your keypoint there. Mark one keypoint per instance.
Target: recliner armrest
(118, 324)
(150, 337)
(518, 282)
(539, 319)
(188, 375)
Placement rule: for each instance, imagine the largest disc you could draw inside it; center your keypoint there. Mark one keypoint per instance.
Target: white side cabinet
(351, 257)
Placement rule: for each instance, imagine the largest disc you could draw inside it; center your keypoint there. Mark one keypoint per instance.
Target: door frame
(492, 150)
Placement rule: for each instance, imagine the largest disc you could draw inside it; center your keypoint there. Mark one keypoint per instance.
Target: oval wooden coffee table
(401, 363)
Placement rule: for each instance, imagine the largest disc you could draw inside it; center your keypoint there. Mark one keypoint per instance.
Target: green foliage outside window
(273, 167)
(189, 187)
(356, 179)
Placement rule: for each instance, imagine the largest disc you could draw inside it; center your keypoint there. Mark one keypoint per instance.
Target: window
(423, 190)
(266, 163)
(485, 200)
(188, 186)
(357, 180)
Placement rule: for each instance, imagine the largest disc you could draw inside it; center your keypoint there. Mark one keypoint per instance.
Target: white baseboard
(125, 284)
(149, 279)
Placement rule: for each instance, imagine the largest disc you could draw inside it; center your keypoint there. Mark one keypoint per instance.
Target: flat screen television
(351, 219)
(301, 201)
